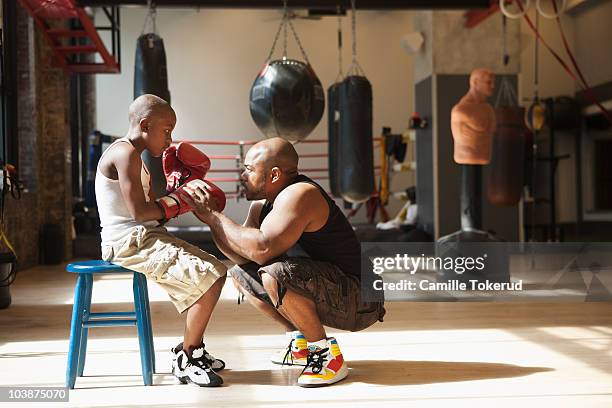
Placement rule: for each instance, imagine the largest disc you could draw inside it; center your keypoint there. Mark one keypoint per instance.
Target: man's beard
(252, 195)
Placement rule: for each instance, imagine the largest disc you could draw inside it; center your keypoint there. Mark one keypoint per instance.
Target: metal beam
(299, 4)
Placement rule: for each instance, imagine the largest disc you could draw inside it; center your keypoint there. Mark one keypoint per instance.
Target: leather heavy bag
(287, 100)
(150, 71)
(333, 135)
(151, 77)
(356, 157)
(505, 183)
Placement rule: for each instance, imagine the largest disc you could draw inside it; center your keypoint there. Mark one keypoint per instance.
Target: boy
(133, 235)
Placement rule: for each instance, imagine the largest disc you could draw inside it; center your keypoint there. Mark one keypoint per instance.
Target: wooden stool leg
(143, 333)
(85, 332)
(147, 309)
(76, 328)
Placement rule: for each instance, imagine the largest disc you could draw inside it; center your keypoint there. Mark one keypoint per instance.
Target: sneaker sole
(344, 372)
(188, 381)
(288, 364)
(181, 380)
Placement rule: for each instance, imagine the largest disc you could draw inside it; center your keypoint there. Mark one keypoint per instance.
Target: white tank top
(115, 219)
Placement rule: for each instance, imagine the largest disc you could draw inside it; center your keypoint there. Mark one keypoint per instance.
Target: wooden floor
(424, 354)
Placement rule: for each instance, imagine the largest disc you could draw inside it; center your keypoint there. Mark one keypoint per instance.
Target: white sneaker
(195, 369)
(325, 365)
(214, 363)
(295, 353)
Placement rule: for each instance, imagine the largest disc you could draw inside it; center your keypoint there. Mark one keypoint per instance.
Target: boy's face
(157, 131)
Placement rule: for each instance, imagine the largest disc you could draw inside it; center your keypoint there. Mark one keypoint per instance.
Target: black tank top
(335, 242)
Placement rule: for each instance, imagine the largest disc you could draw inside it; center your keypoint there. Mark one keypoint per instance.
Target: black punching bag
(151, 77)
(333, 135)
(287, 99)
(355, 151)
(505, 184)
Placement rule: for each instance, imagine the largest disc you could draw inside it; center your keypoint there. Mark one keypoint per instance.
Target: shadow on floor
(393, 372)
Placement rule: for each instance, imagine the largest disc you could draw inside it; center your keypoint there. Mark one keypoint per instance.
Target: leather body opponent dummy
(473, 120)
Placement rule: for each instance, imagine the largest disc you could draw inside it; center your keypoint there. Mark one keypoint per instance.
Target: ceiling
(301, 4)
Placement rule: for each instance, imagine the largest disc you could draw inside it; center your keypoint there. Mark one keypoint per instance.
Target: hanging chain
(340, 75)
(286, 21)
(354, 31)
(355, 67)
(299, 43)
(280, 27)
(150, 17)
(506, 56)
(537, 69)
(506, 94)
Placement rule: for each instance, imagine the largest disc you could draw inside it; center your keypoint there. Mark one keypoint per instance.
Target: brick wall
(44, 147)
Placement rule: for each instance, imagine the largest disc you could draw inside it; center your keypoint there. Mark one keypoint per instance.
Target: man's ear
(275, 174)
(144, 125)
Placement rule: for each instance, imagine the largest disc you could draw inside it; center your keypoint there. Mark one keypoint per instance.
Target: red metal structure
(70, 32)
(475, 17)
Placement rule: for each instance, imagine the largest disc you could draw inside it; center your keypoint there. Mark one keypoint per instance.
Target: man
(300, 293)
(132, 236)
(473, 120)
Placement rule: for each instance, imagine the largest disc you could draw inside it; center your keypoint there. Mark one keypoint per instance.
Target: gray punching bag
(333, 135)
(151, 77)
(355, 150)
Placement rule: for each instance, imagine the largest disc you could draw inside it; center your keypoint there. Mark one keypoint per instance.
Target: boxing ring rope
(252, 142)
(239, 159)
(378, 142)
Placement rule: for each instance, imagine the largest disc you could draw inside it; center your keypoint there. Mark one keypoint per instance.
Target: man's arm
(293, 211)
(252, 221)
(129, 166)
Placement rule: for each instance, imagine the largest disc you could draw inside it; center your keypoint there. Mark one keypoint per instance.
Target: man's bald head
(269, 166)
(275, 152)
(147, 106)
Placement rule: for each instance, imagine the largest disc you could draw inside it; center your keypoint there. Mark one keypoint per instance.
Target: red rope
(584, 86)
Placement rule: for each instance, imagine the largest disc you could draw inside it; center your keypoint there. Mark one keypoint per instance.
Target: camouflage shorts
(336, 295)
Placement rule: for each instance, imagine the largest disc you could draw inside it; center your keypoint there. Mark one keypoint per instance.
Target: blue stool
(83, 318)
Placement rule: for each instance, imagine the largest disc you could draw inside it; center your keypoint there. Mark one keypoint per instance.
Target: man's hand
(203, 197)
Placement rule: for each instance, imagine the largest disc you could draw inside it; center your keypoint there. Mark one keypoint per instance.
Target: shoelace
(288, 358)
(316, 359)
(202, 361)
(207, 357)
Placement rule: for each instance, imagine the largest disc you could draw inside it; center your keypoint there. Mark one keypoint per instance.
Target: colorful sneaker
(325, 364)
(195, 369)
(214, 363)
(295, 353)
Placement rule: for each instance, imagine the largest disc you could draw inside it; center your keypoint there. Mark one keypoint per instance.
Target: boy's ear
(144, 125)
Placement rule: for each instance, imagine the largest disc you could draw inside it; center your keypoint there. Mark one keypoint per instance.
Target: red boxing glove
(214, 192)
(182, 164)
(217, 195)
(173, 204)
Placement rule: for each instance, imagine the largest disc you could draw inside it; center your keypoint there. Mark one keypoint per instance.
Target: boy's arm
(129, 166)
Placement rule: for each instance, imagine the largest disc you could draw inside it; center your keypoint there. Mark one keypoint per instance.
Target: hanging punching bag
(505, 183)
(333, 135)
(287, 100)
(151, 77)
(355, 151)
